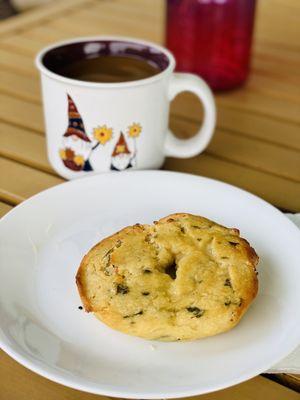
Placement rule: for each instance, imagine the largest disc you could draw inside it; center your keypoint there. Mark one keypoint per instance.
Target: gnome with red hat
(77, 146)
(121, 157)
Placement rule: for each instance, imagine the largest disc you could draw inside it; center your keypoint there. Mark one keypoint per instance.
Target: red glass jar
(212, 38)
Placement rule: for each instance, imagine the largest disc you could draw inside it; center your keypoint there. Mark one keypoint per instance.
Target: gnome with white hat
(77, 146)
(121, 157)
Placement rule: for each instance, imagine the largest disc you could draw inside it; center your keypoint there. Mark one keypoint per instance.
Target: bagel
(182, 278)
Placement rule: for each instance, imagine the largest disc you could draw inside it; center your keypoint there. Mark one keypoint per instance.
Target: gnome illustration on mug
(121, 157)
(76, 144)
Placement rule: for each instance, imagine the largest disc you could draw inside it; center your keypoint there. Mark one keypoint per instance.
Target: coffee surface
(109, 69)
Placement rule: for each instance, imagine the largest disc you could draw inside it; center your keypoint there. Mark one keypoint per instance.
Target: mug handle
(185, 148)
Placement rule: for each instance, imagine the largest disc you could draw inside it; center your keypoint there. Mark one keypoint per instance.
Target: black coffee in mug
(109, 62)
(109, 69)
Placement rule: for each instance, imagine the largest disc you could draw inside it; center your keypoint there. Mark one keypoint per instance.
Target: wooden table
(256, 146)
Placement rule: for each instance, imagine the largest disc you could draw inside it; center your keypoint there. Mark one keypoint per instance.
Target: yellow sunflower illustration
(102, 133)
(134, 130)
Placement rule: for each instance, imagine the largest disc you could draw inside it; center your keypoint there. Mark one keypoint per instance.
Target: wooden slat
(101, 24)
(21, 113)
(107, 18)
(257, 389)
(270, 26)
(145, 9)
(261, 104)
(84, 25)
(35, 17)
(257, 126)
(44, 34)
(284, 59)
(265, 157)
(114, 15)
(24, 147)
(291, 381)
(16, 86)
(284, 53)
(136, 25)
(262, 81)
(265, 129)
(241, 150)
(20, 44)
(77, 28)
(278, 67)
(278, 191)
(20, 182)
(18, 383)
(23, 65)
(4, 208)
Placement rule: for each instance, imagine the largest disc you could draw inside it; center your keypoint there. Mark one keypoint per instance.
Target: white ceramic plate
(43, 241)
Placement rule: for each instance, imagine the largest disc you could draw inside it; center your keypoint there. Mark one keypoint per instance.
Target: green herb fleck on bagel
(227, 282)
(134, 315)
(197, 312)
(122, 289)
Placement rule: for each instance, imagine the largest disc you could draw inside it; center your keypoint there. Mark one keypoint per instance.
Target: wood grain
(46, 34)
(24, 147)
(20, 181)
(15, 62)
(4, 208)
(38, 15)
(290, 380)
(15, 85)
(243, 150)
(278, 22)
(19, 383)
(18, 112)
(249, 179)
(21, 44)
(256, 126)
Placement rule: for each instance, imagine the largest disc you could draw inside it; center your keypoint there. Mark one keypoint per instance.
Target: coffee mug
(94, 127)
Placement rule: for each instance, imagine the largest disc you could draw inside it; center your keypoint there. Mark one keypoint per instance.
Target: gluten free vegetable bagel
(183, 278)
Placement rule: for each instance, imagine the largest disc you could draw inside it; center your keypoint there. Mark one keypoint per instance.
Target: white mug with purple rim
(94, 127)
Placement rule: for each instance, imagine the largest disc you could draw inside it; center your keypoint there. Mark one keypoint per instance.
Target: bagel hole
(171, 270)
